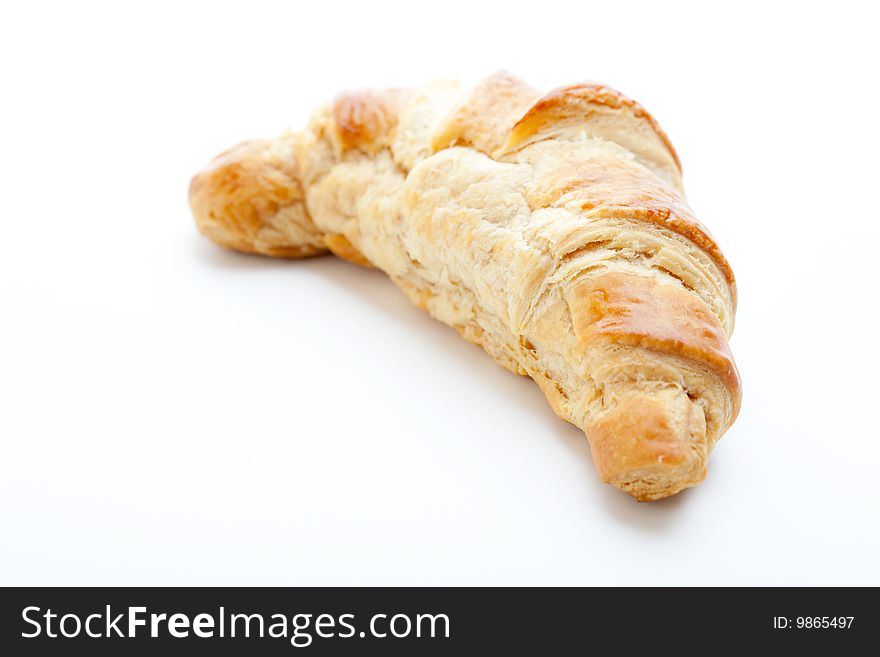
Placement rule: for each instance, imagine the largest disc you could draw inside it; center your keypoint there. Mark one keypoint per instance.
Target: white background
(174, 414)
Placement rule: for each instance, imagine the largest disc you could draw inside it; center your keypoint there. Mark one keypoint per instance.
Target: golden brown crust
(611, 187)
(552, 232)
(484, 119)
(578, 101)
(651, 448)
(366, 119)
(249, 199)
(641, 312)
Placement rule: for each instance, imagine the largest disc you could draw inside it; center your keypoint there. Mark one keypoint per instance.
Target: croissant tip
(651, 446)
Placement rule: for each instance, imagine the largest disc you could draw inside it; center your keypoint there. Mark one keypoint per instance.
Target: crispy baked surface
(551, 230)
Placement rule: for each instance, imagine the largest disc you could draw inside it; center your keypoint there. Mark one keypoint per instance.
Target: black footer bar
(426, 621)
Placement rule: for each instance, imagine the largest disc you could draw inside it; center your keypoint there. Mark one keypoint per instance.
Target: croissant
(551, 230)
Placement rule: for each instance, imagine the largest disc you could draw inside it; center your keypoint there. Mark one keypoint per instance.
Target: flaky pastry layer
(551, 230)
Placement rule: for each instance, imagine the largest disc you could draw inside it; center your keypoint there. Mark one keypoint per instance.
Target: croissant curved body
(551, 230)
